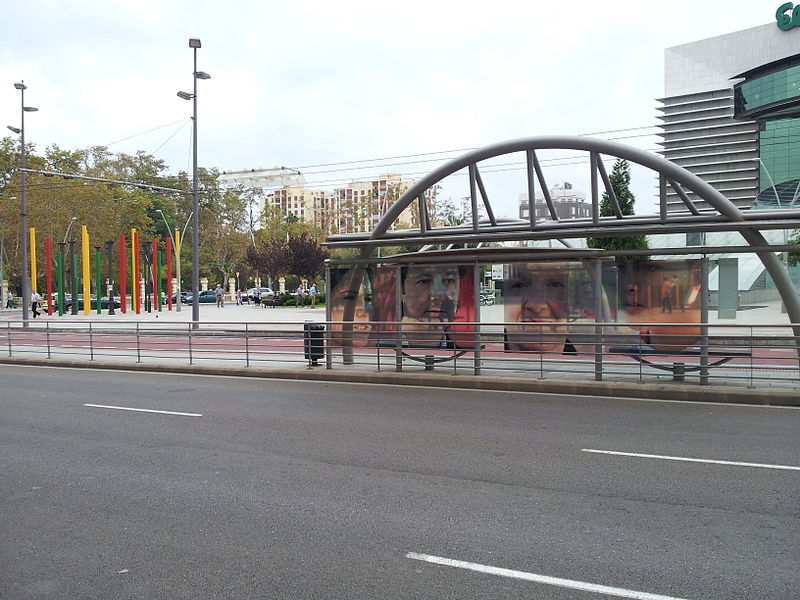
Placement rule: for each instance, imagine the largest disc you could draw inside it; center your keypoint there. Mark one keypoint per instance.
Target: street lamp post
(194, 44)
(26, 296)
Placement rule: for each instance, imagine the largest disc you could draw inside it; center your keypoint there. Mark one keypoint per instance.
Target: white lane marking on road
(147, 410)
(545, 579)
(732, 463)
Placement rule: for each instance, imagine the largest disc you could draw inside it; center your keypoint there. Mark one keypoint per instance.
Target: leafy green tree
(306, 257)
(269, 257)
(620, 179)
(794, 257)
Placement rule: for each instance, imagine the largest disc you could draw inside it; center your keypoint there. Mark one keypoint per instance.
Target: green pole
(60, 282)
(98, 288)
(160, 259)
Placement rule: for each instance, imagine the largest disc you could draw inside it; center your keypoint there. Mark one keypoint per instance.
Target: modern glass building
(731, 114)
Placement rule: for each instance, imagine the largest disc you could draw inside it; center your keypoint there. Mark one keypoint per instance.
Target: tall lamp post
(194, 44)
(26, 295)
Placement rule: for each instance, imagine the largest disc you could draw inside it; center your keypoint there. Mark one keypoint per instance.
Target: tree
(269, 257)
(306, 257)
(620, 180)
(794, 257)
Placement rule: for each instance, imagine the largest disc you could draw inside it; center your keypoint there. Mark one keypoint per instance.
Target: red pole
(156, 282)
(123, 291)
(138, 303)
(169, 273)
(48, 253)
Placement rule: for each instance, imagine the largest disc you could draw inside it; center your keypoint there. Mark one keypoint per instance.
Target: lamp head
(202, 75)
(30, 109)
(194, 43)
(16, 130)
(185, 95)
(20, 86)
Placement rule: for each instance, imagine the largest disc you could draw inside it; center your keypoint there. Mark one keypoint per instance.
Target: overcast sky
(313, 83)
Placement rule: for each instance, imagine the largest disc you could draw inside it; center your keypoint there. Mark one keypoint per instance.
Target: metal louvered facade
(701, 135)
(699, 129)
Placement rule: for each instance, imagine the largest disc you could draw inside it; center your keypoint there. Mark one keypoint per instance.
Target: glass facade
(766, 90)
(773, 99)
(779, 148)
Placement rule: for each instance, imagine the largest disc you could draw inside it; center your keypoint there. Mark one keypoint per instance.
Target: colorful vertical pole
(32, 246)
(169, 273)
(48, 270)
(135, 300)
(156, 278)
(123, 291)
(60, 281)
(98, 278)
(87, 278)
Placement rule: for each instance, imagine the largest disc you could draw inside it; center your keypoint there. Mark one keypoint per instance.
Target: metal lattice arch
(719, 213)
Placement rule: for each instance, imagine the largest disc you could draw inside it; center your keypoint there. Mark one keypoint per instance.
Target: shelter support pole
(598, 318)
(704, 321)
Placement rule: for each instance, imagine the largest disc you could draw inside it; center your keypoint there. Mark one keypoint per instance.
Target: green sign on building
(787, 16)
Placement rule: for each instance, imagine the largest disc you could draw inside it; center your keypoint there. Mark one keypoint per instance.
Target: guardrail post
(247, 344)
(91, 342)
(47, 334)
(8, 327)
(190, 345)
(751, 357)
(138, 345)
(378, 348)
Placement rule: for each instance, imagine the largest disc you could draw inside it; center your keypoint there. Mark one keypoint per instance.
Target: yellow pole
(32, 232)
(87, 280)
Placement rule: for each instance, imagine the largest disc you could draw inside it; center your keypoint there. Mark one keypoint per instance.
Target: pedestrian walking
(300, 294)
(239, 297)
(312, 291)
(220, 295)
(36, 300)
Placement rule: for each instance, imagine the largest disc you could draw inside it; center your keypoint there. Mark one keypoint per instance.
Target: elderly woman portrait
(536, 297)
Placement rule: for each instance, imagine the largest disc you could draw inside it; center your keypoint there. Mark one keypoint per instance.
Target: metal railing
(739, 355)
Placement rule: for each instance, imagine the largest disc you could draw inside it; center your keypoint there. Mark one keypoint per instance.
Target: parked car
(184, 296)
(255, 294)
(92, 302)
(205, 296)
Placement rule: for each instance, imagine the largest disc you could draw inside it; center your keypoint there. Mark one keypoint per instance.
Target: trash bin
(313, 341)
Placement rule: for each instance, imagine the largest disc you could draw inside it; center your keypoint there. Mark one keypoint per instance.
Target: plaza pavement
(762, 320)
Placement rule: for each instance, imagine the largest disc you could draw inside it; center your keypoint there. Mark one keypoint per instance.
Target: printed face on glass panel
(355, 290)
(430, 293)
(536, 297)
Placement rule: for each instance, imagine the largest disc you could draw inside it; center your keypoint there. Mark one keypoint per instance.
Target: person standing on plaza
(239, 297)
(312, 291)
(220, 295)
(666, 295)
(300, 293)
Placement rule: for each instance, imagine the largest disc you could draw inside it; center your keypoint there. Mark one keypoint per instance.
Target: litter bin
(313, 341)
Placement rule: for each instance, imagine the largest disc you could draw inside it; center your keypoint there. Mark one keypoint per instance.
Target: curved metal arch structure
(723, 216)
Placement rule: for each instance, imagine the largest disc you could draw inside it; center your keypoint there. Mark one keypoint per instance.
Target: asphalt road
(277, 489)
